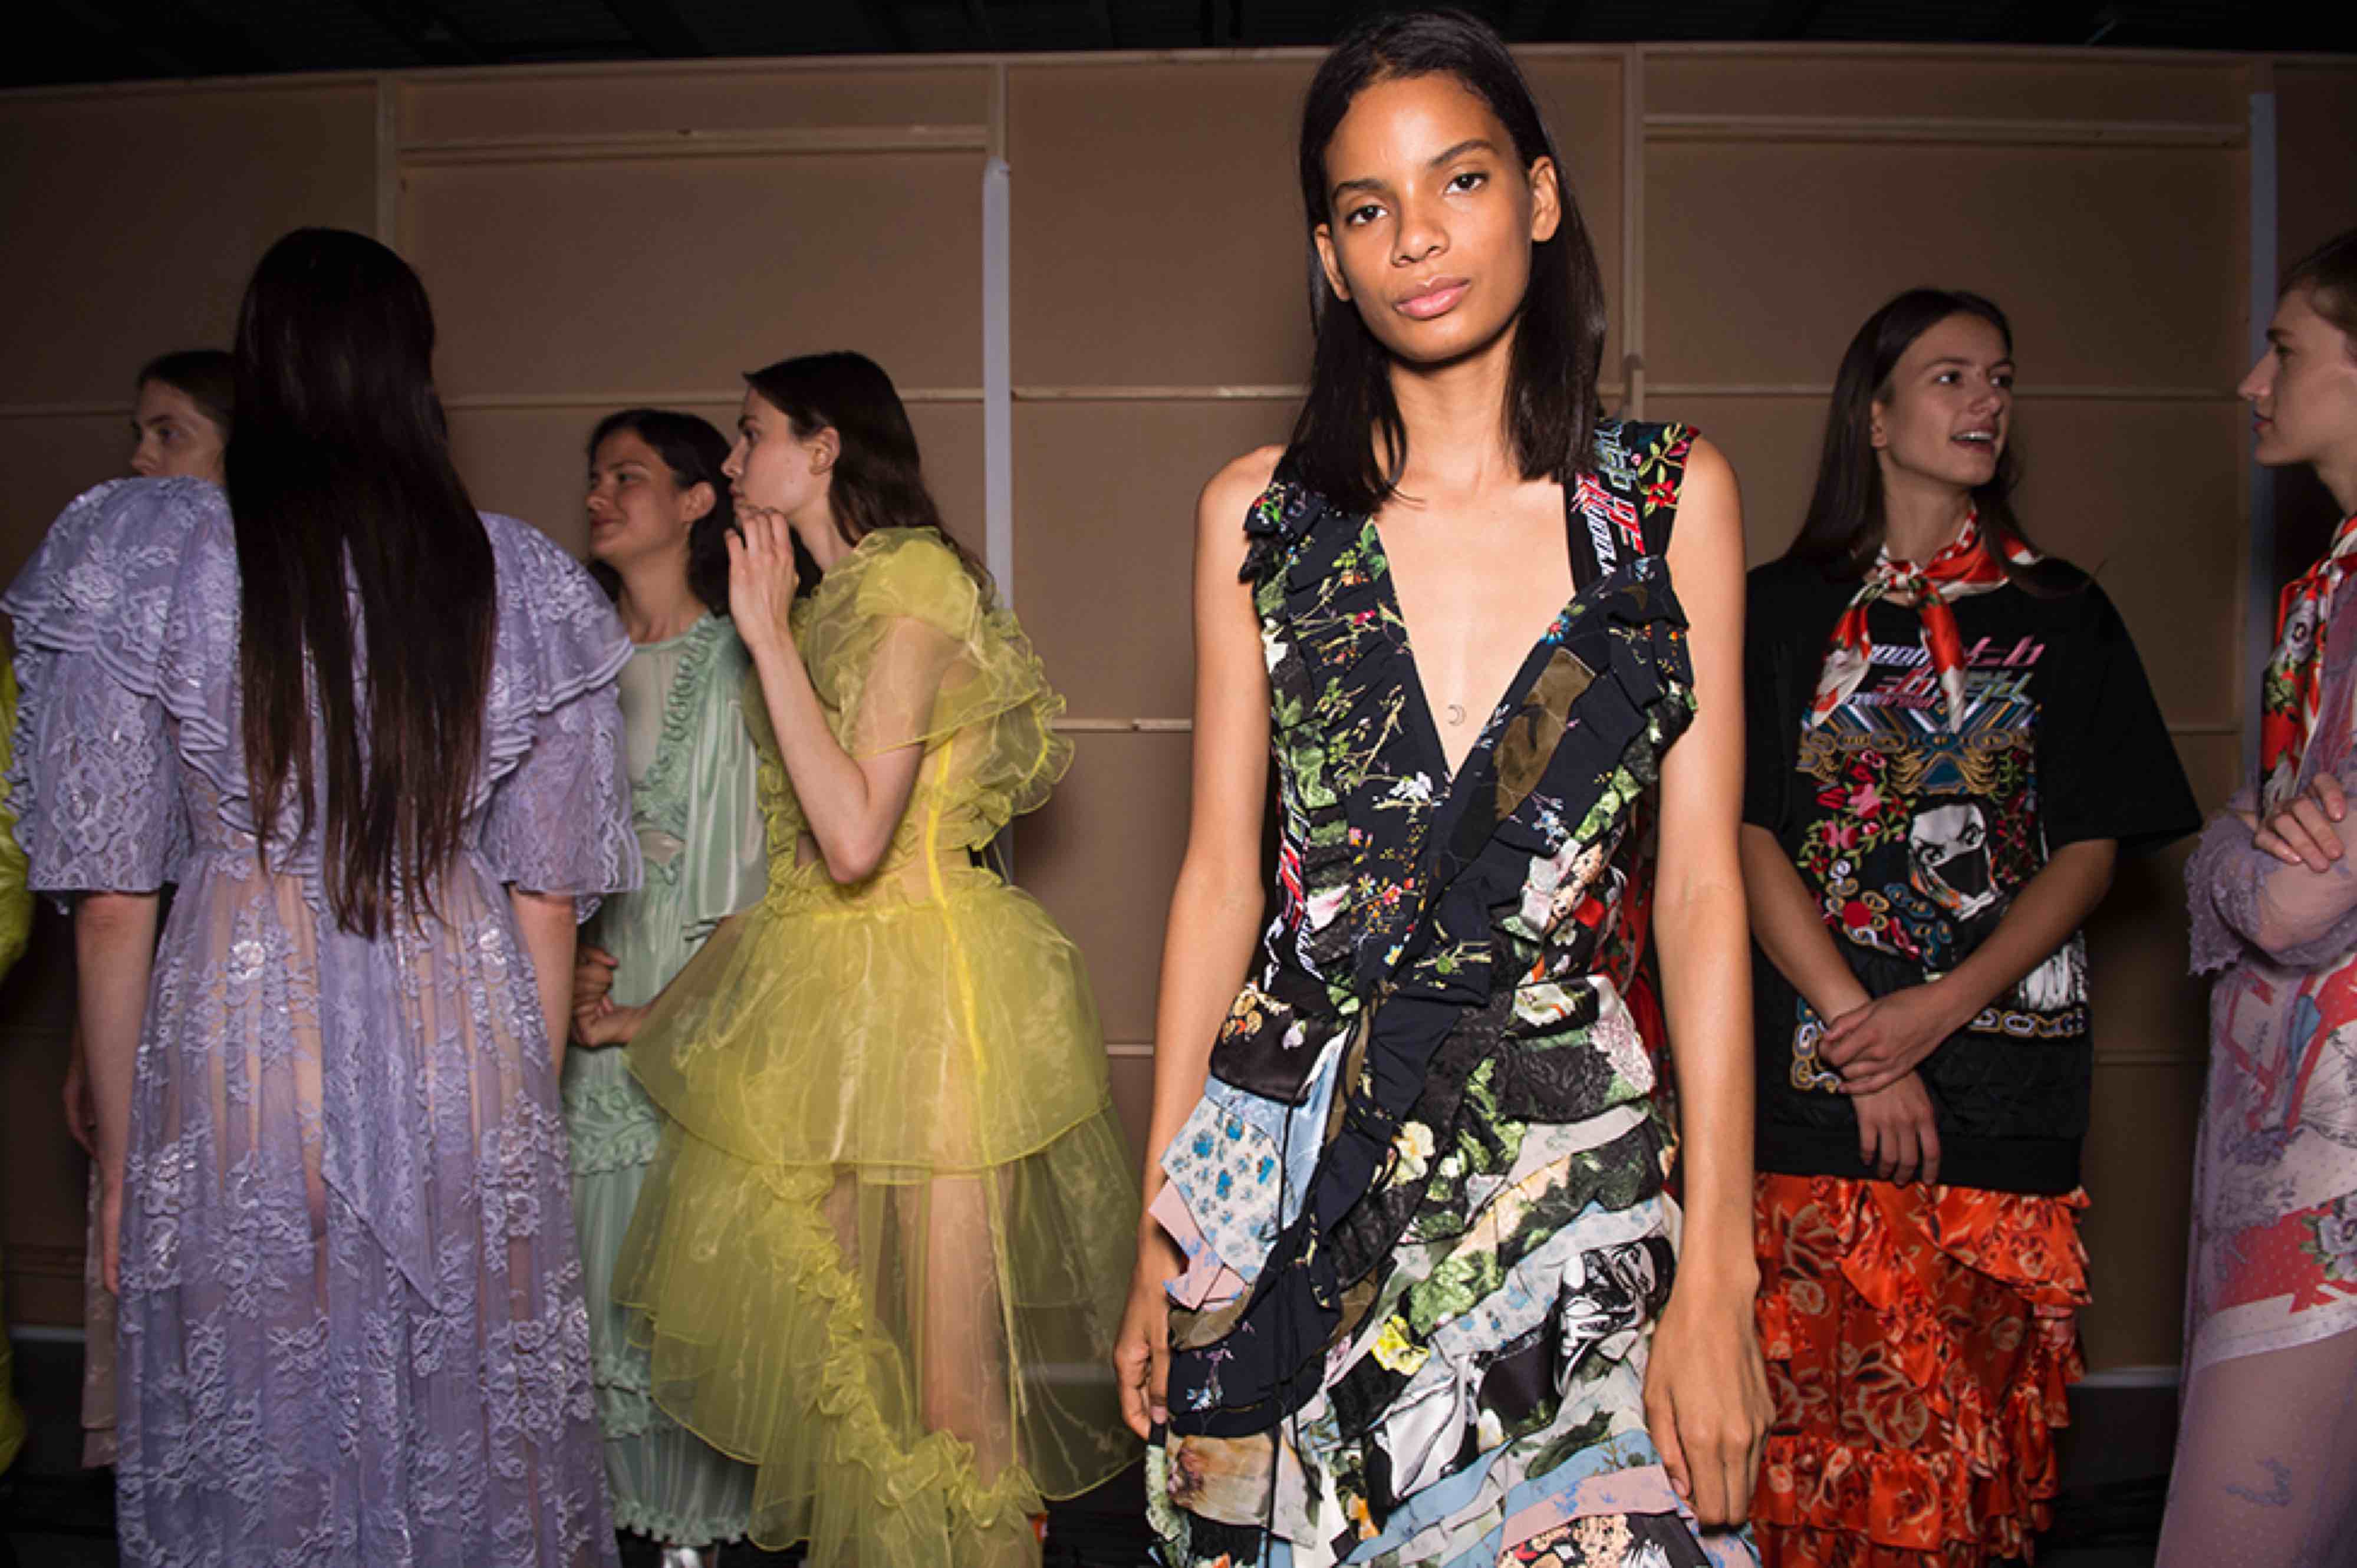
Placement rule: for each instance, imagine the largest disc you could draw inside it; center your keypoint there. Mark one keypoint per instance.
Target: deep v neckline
(1420, 700)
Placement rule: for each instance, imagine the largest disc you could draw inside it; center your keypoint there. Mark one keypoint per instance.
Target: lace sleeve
(2241, 895)
(561, 821)
(100, 797)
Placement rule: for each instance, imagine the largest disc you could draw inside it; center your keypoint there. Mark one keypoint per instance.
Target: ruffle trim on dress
(1993, 1481)
(673, 1528)
(133, 566)
(613, 1127)
(675, 744)
(834, 1466)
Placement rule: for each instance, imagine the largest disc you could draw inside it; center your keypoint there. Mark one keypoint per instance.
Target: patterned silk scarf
(1964, 566)
(2295, 679)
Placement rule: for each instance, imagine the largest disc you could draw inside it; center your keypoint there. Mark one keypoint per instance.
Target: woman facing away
(2267, 1448)
(659, 523)
(883, 1247)
(335, 1206)
(1952, 739)
(1411, 1289)
(179, 429)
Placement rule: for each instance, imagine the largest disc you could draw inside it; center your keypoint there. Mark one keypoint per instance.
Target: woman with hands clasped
(2266, 1450)
(659, 520)
(892, 1204)
(1411, 1289)
(1951, 741)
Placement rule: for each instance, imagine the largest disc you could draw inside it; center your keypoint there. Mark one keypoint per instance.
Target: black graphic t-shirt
(1915, 838)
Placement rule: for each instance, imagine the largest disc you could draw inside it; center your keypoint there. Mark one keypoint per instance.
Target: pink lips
(1438, 297)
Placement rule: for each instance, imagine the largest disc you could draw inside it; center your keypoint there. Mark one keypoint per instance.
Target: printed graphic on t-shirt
(1927, 833)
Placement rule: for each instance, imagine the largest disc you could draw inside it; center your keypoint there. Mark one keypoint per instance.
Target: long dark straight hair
(1349, 442)
(1843, 532)
(341, 484)
(694, 451)
(878, 478)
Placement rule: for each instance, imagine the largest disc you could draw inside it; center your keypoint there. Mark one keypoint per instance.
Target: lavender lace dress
(352, 1327)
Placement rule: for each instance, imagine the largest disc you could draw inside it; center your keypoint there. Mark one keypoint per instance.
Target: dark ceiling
(106, 40)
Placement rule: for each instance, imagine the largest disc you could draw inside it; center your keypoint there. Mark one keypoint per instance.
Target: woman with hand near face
(1952, 739)
(892, 1209)
(1411, 1289)
(2267, 1452)
(659, 523)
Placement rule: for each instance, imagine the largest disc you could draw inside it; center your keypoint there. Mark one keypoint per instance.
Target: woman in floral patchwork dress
(1412, 1290)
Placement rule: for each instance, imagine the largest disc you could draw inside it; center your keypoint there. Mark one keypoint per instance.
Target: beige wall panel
(1104, 506)
(2144, 1000)
(2085, 248)
(1772, 443)
(2138, 1179)
(46, 461)
(2213, 766)
(1158, 236)
(530, 463)
(136, 217)
(2146, 495)
(1133, 1101)
(622, 99)
(2149, 497)
(1102, 856)
(1944, 84)
(653, 276)
(2315, 153)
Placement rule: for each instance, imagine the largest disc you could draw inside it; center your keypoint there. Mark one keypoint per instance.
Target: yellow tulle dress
(884, 1251)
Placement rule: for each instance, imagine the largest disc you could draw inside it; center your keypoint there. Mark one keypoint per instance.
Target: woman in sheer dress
(370, 737)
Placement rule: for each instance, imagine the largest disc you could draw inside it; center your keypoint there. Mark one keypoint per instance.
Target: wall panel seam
(642, 145)
(1801, 129)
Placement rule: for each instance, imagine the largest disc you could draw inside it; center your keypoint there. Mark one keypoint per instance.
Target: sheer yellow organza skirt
(884, 1251)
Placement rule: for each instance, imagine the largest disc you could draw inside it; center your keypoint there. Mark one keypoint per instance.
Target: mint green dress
(702, 835)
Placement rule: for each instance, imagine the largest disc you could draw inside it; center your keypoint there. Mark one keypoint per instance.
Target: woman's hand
(2302, 833)
(592, 976)
(82, 1111)
(1897, 1136)
(1140, 1352)
(1882, 1042)
(762, 577)
(1707, 1400)
(603, 1024)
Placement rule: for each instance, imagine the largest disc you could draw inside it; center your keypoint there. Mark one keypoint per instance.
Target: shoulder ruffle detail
(139, 576)
(993, 688)
(1277, 523)
(556, 640)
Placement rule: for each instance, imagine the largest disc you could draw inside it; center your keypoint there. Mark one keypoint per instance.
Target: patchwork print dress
(1422, 1196)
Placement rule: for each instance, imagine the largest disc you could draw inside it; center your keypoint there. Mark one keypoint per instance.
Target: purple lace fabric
(351, 1327)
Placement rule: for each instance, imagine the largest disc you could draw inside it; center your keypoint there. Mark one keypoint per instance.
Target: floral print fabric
(1425, 1343)
(1920, 1343)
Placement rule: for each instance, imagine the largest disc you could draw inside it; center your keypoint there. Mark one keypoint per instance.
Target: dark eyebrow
(1370, 182)
(1958, 359)
(2278, 335)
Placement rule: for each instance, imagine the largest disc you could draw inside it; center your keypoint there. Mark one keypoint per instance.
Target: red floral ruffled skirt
(1919, 1344)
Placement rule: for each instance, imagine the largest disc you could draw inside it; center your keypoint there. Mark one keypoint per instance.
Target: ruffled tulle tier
(884, 1250)
(1920, 1346)
(912, 1037)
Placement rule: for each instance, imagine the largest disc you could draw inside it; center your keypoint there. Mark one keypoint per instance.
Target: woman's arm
(1215, 909)
(544, 923)
(599, 1020)
(852, 804)
(1705, 1390)
(1789, 928)
(2288, 886)
(1883, 1041)
(114, 949)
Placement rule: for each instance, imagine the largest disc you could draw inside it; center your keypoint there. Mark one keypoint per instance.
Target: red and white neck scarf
(1963, 567)
(2294, 687)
